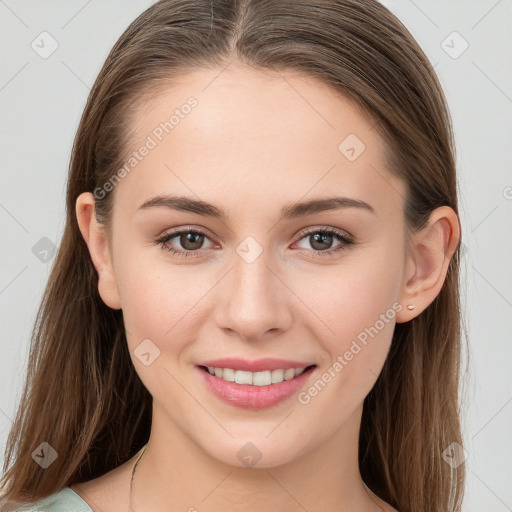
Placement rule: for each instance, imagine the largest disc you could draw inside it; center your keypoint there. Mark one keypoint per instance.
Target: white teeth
(242, 377)
(277, 376)
(264, 378)
(289, 374)
(228, 374)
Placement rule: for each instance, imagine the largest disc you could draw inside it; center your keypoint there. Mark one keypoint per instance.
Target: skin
(255, 143)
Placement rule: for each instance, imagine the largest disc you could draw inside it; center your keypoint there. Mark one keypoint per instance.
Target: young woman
(255, 302)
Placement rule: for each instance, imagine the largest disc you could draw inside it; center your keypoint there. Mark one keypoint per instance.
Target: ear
(95, 236)
(427, 262)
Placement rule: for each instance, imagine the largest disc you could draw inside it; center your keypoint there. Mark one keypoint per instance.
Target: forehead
(253, 137)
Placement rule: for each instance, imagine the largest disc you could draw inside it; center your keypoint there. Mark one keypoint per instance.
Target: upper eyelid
(315, 229)
(186, 229)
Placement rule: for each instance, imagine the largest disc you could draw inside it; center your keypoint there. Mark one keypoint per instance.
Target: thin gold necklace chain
(133, 475)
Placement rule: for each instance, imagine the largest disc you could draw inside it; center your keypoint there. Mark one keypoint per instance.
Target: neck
(176, 471)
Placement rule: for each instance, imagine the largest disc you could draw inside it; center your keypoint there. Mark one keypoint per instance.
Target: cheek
(354, 295)
(160, 299)
(354, 310)
(356, 354)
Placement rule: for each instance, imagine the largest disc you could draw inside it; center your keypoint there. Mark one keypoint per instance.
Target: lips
(255, 396)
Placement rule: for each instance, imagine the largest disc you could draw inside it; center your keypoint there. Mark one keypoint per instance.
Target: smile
(255, 390)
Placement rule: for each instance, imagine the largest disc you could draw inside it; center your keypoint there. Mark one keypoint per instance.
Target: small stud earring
(410, 307)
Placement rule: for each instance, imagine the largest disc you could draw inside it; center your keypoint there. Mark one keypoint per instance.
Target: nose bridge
(254, 279)
(254, 300)
(252, 276)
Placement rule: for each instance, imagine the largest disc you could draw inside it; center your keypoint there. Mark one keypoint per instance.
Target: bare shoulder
(107, 493)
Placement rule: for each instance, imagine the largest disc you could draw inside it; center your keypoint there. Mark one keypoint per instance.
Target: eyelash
(345, 242)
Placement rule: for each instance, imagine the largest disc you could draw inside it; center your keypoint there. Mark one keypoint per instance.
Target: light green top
(66, 500)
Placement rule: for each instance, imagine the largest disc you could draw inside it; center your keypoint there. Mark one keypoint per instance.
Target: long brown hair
(82, 394)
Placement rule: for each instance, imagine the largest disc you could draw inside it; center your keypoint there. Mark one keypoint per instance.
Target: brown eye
(185, 242)
(321, 241)
(191, 241)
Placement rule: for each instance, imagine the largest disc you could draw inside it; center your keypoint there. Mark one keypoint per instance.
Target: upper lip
(257, 365)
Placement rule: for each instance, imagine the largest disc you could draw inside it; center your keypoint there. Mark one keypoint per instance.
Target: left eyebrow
(290, 211)
(319, 205)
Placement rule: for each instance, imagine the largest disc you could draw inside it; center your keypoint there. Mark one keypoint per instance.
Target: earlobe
(427, 263)
(95, 236)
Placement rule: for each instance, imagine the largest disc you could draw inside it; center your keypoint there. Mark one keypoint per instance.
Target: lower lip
(254, 397)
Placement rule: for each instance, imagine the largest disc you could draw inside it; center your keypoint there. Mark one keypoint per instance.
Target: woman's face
(265, 280)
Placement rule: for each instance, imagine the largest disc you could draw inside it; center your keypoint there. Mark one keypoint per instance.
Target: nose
(253, 301)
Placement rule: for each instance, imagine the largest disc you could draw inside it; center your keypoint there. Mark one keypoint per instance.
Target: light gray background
(41, 101)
